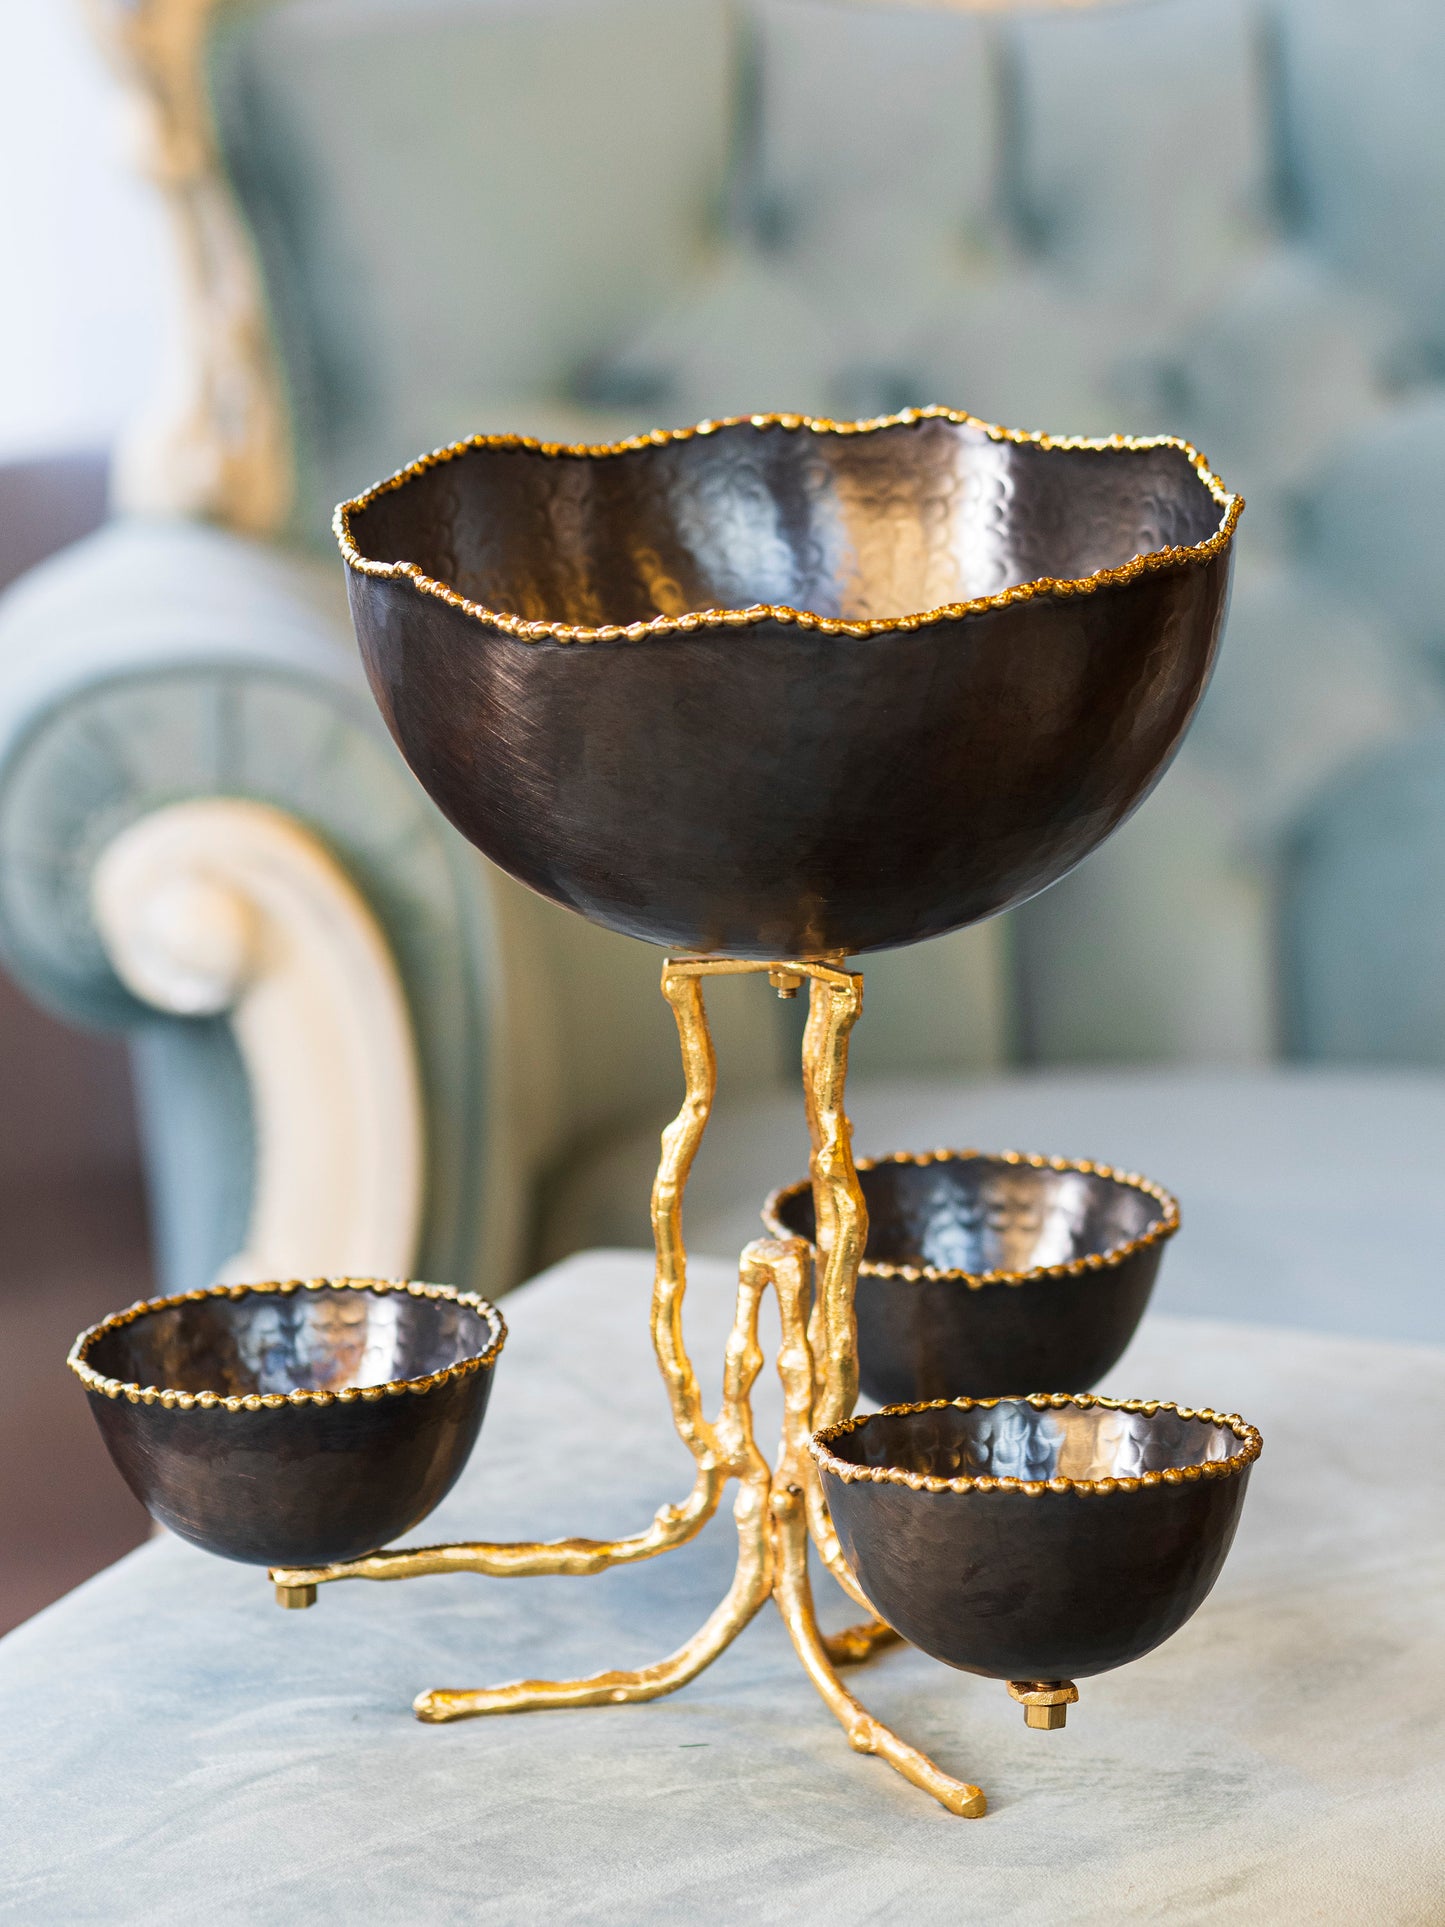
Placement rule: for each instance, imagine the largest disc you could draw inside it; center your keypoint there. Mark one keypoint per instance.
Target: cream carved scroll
(223, 907)
(217, 444)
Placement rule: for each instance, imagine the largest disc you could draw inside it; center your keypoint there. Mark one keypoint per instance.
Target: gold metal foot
(294, 1598)
(1046, 1702)
(857, 1643)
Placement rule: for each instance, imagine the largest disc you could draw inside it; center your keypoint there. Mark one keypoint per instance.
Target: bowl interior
(981, 1214)
(1016, 1440)
(313, 1340)
(899, 520)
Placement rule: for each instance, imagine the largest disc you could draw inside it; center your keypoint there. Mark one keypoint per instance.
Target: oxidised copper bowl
(777, 687)
(292, 1424)
(985, 1274)
(1039, 1539)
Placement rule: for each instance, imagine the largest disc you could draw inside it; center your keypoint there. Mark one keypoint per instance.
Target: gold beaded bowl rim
(1251, 1445)
(173, 1399)
(1163, 1227)
(524, 630)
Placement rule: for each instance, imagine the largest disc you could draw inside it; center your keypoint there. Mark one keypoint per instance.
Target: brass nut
(295, 1598)
(787, 983)
(1045, 1718)
(1046, 1702)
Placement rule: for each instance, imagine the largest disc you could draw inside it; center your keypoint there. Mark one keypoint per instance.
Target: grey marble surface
(173, 1747)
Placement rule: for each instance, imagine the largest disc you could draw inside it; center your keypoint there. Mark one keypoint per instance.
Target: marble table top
(173, 1747)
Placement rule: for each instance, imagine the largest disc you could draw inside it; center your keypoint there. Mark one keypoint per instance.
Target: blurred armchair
(359, 1047)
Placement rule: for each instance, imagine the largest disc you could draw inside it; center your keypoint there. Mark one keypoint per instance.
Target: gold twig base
(777, 1509)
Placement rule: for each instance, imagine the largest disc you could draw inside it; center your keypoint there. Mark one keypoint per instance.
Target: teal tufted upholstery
(582, 217)
(1362, 913)
(180, 663)
(464, 205)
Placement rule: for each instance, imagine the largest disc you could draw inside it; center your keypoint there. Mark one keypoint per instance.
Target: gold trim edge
(523, 630)
(1162, 1228)
(850, 1474)
(172, 1399)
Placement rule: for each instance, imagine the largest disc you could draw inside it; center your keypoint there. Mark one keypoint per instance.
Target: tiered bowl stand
(570, 649)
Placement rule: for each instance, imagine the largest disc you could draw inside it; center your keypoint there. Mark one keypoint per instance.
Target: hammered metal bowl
(778, 687)
(1039, 1539)
(985, 1274)
(292, 1424)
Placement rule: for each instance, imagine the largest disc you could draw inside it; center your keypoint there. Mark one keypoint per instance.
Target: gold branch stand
(777, 1509)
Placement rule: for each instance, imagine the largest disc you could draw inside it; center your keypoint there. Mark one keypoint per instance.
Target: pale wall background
(84, 319)
(84, 329)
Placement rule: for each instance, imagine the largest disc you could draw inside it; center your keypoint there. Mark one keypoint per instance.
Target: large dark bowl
(779, 687)
(987, 1274)
(1042, 1539)
(292, 1424)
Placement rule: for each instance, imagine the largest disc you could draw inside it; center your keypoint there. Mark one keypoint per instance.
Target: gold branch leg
(858, 1643)
(835, 1003)
(750, 1587)
(679, 1147)
(791, 1587)
(672, 1525)
(865, 1733)
(790, 1272)
(752, 1580)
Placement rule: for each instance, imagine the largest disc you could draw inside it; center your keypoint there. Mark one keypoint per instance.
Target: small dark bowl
(780, 687)
(1041, 1539)
(985, 1274)
(292, 1424)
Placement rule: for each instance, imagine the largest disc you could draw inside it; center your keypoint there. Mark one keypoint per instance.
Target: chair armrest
(224, 907)
(155, 669)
